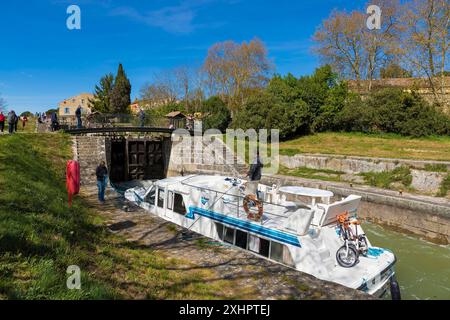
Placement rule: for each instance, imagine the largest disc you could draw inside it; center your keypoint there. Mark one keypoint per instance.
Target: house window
(66, 110)
(179, 206)
(73, 100)
(161, 195)
(82, 101)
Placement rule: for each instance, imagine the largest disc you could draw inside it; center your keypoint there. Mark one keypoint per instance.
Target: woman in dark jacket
(102, 179)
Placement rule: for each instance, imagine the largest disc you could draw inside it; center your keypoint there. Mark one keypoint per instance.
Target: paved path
(264, 279)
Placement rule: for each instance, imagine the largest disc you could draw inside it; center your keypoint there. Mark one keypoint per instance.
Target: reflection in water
(423, 268)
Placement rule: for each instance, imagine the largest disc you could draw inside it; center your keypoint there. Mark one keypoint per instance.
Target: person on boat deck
(255, 175)
(102, 179)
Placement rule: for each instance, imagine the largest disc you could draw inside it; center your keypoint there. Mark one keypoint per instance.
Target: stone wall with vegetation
(428, 177)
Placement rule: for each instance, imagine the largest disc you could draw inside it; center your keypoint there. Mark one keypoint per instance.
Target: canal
(423, 268)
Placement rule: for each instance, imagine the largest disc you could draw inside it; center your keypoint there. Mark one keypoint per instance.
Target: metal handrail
(239, 198)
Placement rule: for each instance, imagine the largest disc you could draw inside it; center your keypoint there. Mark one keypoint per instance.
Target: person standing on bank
(11, 121)
(2, 122)
(255, 175)
(16, 122)
(54, 122)
(142, 118)
(78, 115)
(102, 180)
(24, 121)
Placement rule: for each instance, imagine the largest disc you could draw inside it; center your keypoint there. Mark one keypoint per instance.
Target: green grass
(436, 168)
(30, 126)
(445, 187)
(40, 237)
(386, 179)
(367, 145)
(323, 175)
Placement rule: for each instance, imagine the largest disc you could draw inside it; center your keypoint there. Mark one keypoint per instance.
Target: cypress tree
(121, 93)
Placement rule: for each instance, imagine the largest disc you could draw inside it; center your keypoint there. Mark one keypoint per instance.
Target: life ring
(251, 200)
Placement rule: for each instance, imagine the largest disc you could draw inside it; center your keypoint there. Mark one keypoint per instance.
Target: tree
(163, 90)
(340, 43)
(345, 42)
(424, 46)
(26, 114)
(217, 114)
(235, 70)
(265, 111)
(102, 95)
(51, 110)
(120, 94)
(314, 90)
(394, 70)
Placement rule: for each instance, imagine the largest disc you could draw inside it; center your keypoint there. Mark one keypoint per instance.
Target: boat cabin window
(170, 200)
(179, 206)
(229, 235)
(259, 245)
(161, 195)
(150, 197)
(276, 252)
(241, 239)
(219, 228)
(280, 253)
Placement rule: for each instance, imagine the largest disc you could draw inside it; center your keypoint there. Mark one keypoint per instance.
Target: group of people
(43, 118)
(13, 120)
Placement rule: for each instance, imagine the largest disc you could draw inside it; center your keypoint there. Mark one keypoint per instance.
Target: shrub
(218, 115)
(393, 111)
(265, 111)
(385, 179)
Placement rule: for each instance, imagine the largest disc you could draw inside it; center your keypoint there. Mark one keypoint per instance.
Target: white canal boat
(296, 227)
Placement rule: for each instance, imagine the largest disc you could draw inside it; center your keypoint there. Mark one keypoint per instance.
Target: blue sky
(42, 62)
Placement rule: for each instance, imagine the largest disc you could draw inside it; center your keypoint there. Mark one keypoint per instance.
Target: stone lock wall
(89, 151)
(200, 157)
(423, 180)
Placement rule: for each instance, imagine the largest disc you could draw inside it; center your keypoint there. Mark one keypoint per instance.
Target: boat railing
(270, 209)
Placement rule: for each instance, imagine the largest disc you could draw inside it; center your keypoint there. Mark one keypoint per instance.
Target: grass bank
(365, 145)
(40, 237)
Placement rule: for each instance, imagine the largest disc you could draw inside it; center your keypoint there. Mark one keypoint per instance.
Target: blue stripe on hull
(245, 225)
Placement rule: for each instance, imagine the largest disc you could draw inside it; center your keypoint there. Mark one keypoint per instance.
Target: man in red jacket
(2, 122)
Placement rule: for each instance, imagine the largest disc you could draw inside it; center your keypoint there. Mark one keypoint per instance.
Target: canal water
(423, 268)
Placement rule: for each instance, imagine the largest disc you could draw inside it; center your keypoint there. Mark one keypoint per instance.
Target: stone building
(68, 107)
(420, 85)
(147, 104)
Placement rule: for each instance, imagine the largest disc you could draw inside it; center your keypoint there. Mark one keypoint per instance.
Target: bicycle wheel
(347, 258)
